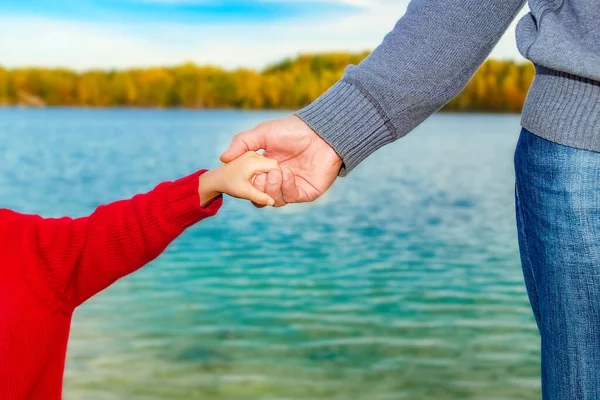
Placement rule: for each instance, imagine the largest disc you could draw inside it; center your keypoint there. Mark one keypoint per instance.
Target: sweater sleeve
(69, 260)
(426, 60)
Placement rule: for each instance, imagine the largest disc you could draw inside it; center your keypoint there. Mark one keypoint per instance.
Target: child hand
(235, 179)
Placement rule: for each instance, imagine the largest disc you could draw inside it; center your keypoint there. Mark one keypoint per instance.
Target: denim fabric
(558, 218)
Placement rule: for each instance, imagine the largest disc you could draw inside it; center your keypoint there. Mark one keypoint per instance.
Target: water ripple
(403, 286)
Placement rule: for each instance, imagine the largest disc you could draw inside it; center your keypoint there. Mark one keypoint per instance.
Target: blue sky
(182, 11)
(85, 34)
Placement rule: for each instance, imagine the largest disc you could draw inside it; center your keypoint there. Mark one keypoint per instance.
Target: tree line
(498, 86)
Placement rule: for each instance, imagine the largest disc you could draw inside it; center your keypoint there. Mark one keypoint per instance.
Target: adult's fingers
(252, 140)
(289, 190)
(273, 187)
(259, 170)
(260, 181)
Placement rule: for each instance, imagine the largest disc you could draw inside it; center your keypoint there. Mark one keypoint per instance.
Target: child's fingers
(258, 197)
(259, 182)
(263, 164)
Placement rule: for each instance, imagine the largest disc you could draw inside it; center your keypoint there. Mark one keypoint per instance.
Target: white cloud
(52, 42)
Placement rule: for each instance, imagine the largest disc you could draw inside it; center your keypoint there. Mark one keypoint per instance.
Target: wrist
(208, 188)
(350, 121)
(330, 154)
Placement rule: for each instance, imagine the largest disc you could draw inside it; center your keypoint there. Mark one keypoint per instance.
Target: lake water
(403, 282)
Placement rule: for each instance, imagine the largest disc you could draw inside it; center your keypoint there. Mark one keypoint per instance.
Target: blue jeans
(558, 218)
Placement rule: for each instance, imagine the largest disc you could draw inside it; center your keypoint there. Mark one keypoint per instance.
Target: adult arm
(426, 60)
(422, 64)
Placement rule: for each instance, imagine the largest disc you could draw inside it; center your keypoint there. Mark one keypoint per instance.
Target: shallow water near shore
(403, 282)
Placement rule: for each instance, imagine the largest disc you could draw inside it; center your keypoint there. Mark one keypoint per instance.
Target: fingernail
(260, 179)
(272, 177)
(271, 202)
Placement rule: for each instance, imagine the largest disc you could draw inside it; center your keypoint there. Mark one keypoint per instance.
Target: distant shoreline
(497, 87)
(199, 110)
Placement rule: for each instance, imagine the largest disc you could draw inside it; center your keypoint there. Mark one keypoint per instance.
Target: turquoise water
(403, 282)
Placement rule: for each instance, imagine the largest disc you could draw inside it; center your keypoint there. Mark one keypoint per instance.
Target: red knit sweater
(50, 266)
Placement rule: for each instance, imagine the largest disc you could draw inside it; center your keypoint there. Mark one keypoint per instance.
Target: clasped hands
(297, 165)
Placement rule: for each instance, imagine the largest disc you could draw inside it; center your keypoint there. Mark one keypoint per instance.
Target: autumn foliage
(498, 86)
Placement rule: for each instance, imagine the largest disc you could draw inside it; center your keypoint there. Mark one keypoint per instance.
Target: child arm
(66, 261)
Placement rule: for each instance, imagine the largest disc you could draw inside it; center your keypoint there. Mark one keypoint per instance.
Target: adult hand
(308, 164)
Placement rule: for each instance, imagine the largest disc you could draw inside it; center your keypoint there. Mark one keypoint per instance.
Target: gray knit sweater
(434, 50)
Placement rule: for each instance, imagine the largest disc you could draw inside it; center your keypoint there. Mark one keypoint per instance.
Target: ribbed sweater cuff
(351, 122)
(182, 207)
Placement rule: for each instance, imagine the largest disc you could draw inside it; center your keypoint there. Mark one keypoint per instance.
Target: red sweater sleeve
(69, 260)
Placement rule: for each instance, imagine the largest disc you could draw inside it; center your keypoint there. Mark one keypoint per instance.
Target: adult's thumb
(252, 140)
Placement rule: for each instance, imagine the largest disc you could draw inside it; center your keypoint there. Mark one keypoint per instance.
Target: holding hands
(307, 165)
(235, 179)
